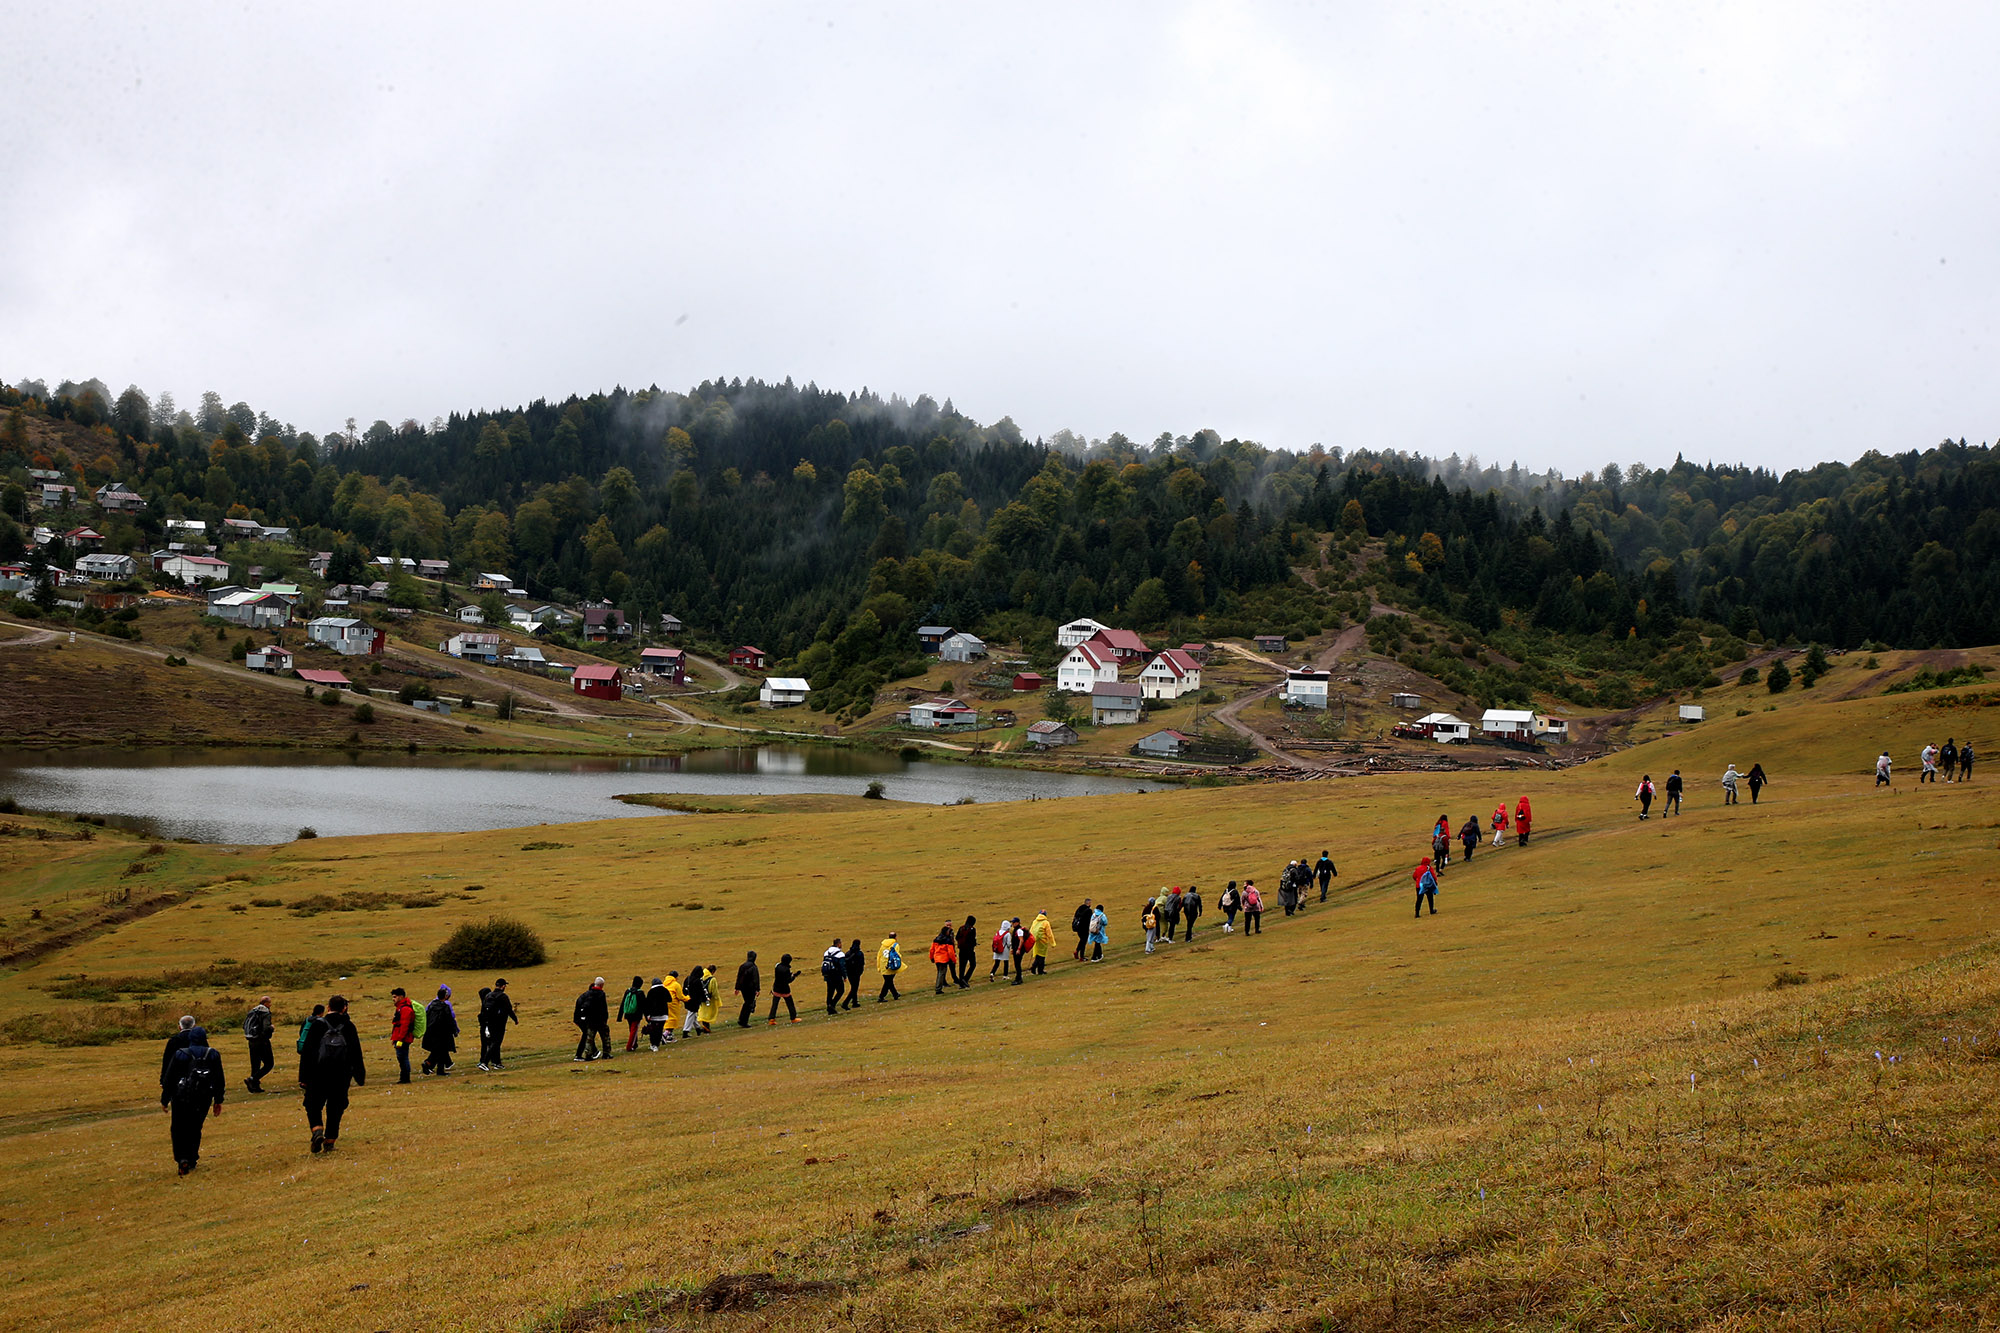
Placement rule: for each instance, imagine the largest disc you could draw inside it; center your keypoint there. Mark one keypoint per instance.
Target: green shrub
(875, 792)
(495, 943)
(364, 712)
(1749, 676)
(330, 698)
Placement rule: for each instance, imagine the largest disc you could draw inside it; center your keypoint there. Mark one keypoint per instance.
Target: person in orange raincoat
(1500, 824)
(1523, 817)
(944, 953)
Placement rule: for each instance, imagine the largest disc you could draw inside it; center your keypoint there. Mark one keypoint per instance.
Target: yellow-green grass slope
(1571, 1099)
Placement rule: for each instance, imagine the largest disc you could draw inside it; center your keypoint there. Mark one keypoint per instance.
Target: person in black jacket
(1079, 922)
(192, 1086)
(967, 945)
(494, 1014)
(857, 963)
(257, 1029)
(833, 971)
(1191, 909)
(328, 1061)
(781, 989)
(1673, 789)
(695, 991)
(1324, 870)
(749, 984)
(174, 1043)
(659, 1007)
(593, 1021)
(440, 1033)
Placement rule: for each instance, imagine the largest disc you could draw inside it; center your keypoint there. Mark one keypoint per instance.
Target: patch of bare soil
(728, 1293)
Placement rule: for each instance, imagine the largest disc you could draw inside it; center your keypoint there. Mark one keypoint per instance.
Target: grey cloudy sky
(1563, 234)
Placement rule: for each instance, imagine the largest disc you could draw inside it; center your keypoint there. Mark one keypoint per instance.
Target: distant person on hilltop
(1927, 757)
(1169, 908)
(1444, 839)
(1230, 901)
(1044, 932)
(1524, 819)
(257, 1030)
(704, 1019)
(1191, 910)
(1644, 795)
(1100, 933)
(402, 1031)
(657, 1007)
(833, 971)
(1672, 805)
(1324, 870)
(1288, 888)
(857, 963)
(1882, 767)
(1730, 777)
(1149, 921)
(329, 1060)
(695, 991)
(1003, 935)
(967, 943)
(1019, 945)
(494, 1016)
(192, 1088)
(591, 1015)
(1425, 876)
(1965, 762)
(1440, 844)
(781, 989)
(1758, 780)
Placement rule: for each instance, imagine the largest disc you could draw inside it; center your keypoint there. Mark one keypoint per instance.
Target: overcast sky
(1563, 234)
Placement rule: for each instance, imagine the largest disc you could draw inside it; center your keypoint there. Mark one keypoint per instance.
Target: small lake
(260, 796)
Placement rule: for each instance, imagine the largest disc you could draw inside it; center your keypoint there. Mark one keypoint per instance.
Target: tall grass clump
(500, 941)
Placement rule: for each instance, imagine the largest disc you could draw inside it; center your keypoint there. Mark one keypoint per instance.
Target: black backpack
(193, 1087)
(833, 965)
(334, 1057)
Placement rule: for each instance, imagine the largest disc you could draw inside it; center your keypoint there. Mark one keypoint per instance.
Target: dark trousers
(853, 1000)
(1285, 902)
(489, 1044)
(944, 974)
(1096, 953)
(836, 983)
(1646, 806)
(966, 963)
(1082, 938)
(1432, 895)
(1524, 833)
(1881, 778)
(1041, 965)
(595, 1041)
(261, 1062)
(790, 1008)
(438, 1061)
(654, 1027)
(1673, 804)
(331, 1100)
(1755, 787)
(1189, 937)
(1326, 881)
(402, 1061)
(1017, 969)
(186, 1131)
(1253, 921)
(749, 1010)
(888, 990)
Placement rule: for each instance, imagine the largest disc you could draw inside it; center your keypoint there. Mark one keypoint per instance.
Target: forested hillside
(790, 515)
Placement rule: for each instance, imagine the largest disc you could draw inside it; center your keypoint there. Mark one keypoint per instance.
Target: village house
(118, 498)
(783, 692)
(355, 638)
(332, 680)
(1444, 728)
(1406, 701)
(320, 563)
(271, 659)
(931, 637)
(84, 539)
(249, 607)
(670, 627)
(395, 562)
(525, 656)
(500, 583)
(242, 528)
(57, 495)
(552, 615)
(186, 529)
(599, 681)
(1306, 688)
(1688, 712)
(194, 569)
(1078, 631)
(471, 615)
(1170, 675)
(1113, 704)
(104, 565)
(601, 624)
(1167, 744)
(1048, 734)
(751, 657)
(962, 647)
(943, 715)
(1508, 723)
(1551, 728)
(476, 645)
(1197, 651)
(434, 569)
(1085, 668)
(1026, 682)
(1121, 645)
(667, 664)
(14, 578)
(1270, 643)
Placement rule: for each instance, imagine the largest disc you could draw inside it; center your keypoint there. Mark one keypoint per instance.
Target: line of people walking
(1429, 869)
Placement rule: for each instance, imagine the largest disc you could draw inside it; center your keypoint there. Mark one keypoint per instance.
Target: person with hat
(1100, 933)
(1426, 879)
(833, 971)
(192, 1088)
(494, 1015)
(402, 1031)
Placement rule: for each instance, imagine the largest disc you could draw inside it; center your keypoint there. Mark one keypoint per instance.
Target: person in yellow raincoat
(1045, 940)
(676, 1005)
(889, 960)
(706, 1017)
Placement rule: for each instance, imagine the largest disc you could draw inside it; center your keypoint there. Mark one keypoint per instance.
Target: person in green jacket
(631, 1010)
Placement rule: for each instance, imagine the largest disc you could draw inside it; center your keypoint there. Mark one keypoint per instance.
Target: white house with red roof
(193, 569)
(1086, 667)
(943, 715)
(1170, 675)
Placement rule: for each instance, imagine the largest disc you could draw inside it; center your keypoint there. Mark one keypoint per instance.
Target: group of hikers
(1756, 779)
(1428, 869)
(1954, 761)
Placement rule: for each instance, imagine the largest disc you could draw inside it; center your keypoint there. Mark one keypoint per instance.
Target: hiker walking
(1002, 936)
(1019, 945)
(402, 1031)
(1324, 870)
(1044, 933)
(1230, 902)
(658, 1006)
(629, 1009)
(1947, 761)
(944, 953)
(1468, 833)
(257, 1030)
(694, 994)
(1079, 923)
(676, 1005)
(749, 982)
(1672, 804)
(1965, 762)
(857, 963)
(329, 1060)
(1644, 796)
(192, 1089)
(1758, 780)
(1730, 778)
(833, 971)
(1170, 912)
(1426, 879)
(1500, 824)
(1440, 844)
(1523, 818)
(499, 1012)
(178, 1041)
(704, 1019)
(1882, 767)
(1191, 910)
(441, 1033)
(1100, 933)
(781, 989)
(1288, 888)
(1253, 908)
(591, 1016)
(889, 959)
(1928, 758)
(1149, 919)
(967, 944)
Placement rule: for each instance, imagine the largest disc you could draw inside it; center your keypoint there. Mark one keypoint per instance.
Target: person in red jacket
(1425, 876)
(402, 1031)
(944, 953)
(1523, 817)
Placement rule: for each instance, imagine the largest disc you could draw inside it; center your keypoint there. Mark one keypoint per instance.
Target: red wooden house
(754, 658)
(599, 681)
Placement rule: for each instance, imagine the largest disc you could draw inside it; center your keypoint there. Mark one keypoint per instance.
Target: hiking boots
(319, 1139)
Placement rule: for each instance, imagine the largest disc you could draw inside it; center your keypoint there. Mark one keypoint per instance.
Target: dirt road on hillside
(1344, 643)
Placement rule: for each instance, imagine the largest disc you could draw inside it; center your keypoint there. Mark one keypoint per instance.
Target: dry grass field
(1727, 1071)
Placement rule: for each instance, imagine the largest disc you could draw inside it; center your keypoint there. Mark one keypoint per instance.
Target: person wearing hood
(1524, 818)
(705, 1020)
(1426, 879)
(1730, 777)
(833, 971)
(857, 964)
(1044, 932)
(1100, 933)
(1231, 902)
(781, 989)
(1758, 780)
(1468, 833)
(1288, 888)
(944, 955)
(629, 1009)
(1168, 905)
(1644, 794)
(440, 1032)
(695, 990)
(1079, 924)
(495, 1012)
(402, 1030)
(676, 1003)
(258, 1028)
(1253, 908)
(191, 1090)
(329, 1060)
(657, 1007)
(1002, 936)
(592, 1017)
(1324, 870)
(967, 944)
(749, 984)
(1191, 910)
(1149, 920)
(889, 959)
(1883, 767)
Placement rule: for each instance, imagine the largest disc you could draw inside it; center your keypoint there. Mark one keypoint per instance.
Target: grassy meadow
(1627, 1077)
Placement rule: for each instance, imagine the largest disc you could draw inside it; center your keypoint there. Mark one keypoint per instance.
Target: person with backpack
(1965, 762)
(1426, 878)
(1644, 794)
(889, 958)
(1324, 870)
(1947, 763)
(591, 1015)
(1044, 932)
(1524, 817)
(1100, 933)
(1231, 902)
(191, 1090)
(1253, 908)
(657, 1007)
(402, 1031)
(1441, 840)
(1758, 780)
(1191, 909)
(329, 1060)
(177, 1042)
(1672, 805)
(695, 990)
(967, 944)
(1001, 937)
(1149, 920)
(1927, 757)
(1468, 833)
(1079, 924)
(319, 1011)
(1500, 824)
(833, 971)
(1019, 945)
(629, 1009)
(749, 984)
(857, 964)
(781, 989)
(440, 1033)
(944, 954)
(258, 1028)
(495, 1012)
